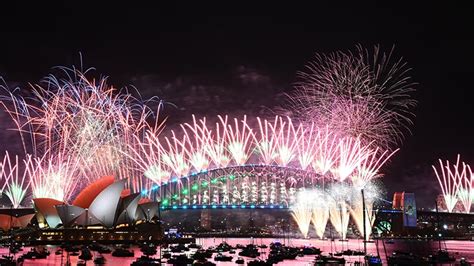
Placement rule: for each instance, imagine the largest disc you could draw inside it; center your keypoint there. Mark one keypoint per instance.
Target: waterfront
(460, 249)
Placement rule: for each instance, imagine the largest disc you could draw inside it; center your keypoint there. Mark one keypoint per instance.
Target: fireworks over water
(75, 130)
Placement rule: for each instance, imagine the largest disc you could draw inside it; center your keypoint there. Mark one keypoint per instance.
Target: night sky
(241, 58)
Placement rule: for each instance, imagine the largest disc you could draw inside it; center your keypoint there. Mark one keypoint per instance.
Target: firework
(197, 141)
(86, 121)
(54, 177)
(15, 179)
(450, 178)
(351, 153)
(356, 94)
(320, 212)
(78, 130)
(308, 146)
(267, 143)
(240, 137)
(466, 190)
(369, 168)
(338, 208)
(326, 151)
(301, 212)
(357, 210)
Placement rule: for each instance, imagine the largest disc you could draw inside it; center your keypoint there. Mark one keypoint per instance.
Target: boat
(329, 260)
(7, 261)
(404, 258)
(148, 250)
(464, 262)
(239, 260)
(202, 254)
(373, 260)
(85, 254)
(146, 260)
(194, 245)
(179, 248)
(122, 252)
(250, 251)
(350, 252)
(13, 249)
(181, 259)
(224, 247)
(104, 250)
(204, 263)
(440, 257)
(310, 251)
(221, 257)
(258, 263)
(35, 254)
(99, 260)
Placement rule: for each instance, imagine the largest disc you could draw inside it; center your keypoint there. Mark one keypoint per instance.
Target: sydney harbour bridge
(246, 186)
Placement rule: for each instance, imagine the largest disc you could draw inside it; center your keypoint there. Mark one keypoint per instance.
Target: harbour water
(460, 249)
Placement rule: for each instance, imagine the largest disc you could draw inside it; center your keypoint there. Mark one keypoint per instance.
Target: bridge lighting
(175, 207)
(252, 206)
(204, 184)
(195, 187)
(194, 207)
(214, 206)
(242, 206)
(185, 191)
(233, 206)
(214, 181)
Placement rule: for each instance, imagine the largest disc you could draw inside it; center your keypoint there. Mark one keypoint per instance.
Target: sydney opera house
(103, 205)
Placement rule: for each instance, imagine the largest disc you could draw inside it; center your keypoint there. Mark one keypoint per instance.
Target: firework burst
(15, 180)
(359, 94)
(449, 178)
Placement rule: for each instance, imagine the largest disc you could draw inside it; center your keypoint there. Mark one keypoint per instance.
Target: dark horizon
(183, 54)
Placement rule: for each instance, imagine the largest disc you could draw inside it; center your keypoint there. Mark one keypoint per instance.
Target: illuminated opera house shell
(105, 202)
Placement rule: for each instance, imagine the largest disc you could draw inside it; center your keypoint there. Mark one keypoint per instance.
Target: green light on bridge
(213, 181)
(185, 191)
(195, 187)
(165, 202)
(204, 184)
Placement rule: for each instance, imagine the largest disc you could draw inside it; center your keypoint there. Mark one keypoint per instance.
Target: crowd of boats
(195, 254)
